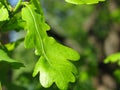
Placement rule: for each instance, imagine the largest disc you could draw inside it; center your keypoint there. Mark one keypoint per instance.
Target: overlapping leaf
(54, 64)
(15, 23)
(5, 58)
(83, 1)
(113, 58)
(3, 13)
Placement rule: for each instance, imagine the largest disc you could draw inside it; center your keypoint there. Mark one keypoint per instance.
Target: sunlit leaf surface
(53, 64)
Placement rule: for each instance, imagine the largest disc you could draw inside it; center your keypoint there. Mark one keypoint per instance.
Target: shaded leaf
(117, 74)
(5, 58)
(15, 23)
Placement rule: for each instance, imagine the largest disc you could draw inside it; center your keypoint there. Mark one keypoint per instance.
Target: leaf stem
(17, 6)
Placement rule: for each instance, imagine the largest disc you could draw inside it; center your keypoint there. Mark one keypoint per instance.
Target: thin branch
(17, 6)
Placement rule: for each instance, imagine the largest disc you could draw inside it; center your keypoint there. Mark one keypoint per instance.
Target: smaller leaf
(83, 1)
(5, 58)
(113, 58)
(11, 46)
(3, 13)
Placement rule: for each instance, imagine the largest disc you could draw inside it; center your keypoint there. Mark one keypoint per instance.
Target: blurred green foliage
(0, 86)
(114, 58)
(117, 75)
(116, 15)
(73, 26)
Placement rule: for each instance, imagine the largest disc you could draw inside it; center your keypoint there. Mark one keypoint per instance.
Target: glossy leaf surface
(54, 64)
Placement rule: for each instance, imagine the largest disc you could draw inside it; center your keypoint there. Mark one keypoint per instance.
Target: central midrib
(39, 36)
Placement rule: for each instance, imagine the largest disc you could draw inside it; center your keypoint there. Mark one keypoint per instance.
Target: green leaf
(4, 15)
(5, 58)
(117, 75)
(11, 46)
(15, 23)
(116, 15)
(0, 86)
(83, 1)
(113, 58)
(36, 27)
(54, 64)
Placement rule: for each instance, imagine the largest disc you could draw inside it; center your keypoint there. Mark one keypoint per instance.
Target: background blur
(92, 30)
